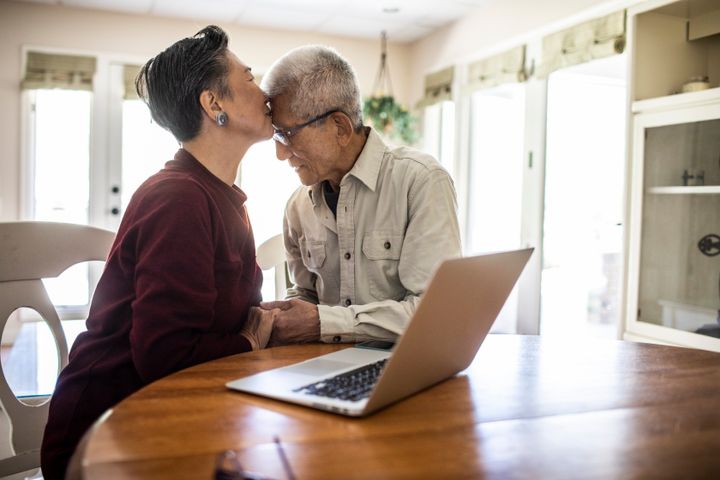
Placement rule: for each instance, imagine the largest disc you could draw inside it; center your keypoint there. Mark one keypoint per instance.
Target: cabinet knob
(710, 245)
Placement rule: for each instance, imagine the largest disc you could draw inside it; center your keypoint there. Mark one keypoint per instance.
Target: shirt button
(347, 255)
(337, 339)
(387, 245)
(347, 302)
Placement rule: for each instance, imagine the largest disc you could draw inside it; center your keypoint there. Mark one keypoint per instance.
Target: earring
(221, 119)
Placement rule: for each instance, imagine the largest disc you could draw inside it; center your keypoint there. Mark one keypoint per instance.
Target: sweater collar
(184, 160)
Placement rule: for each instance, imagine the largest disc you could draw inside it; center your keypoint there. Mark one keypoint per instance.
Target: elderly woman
(181, 277)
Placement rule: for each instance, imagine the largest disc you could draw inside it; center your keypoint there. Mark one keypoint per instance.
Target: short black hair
(171, 82)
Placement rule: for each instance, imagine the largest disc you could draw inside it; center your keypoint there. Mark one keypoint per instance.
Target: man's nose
(282, 151)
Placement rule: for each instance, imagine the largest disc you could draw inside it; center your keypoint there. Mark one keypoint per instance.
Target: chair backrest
(32, 251)
(271, 254)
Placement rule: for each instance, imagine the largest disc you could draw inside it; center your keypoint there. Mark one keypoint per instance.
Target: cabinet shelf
(689, 99)
(700, 190)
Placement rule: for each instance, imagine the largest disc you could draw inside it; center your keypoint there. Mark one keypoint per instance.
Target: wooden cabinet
(673, 263)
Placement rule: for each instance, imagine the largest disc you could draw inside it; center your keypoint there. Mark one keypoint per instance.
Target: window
(60, 186)
(439, 134)
(268, 184)
(496, 178)
(496, 155)
(584, 191)
(146, 147)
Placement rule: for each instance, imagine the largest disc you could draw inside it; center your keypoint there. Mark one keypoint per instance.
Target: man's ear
(209, 104)
(344, 128)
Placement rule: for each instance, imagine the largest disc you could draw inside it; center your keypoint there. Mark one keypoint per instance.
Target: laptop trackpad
(317, 367)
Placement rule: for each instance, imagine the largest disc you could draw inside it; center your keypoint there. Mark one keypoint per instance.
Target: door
(584, 195)
(497, 119)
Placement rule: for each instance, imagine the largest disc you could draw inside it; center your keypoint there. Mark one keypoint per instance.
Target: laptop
(453, 318)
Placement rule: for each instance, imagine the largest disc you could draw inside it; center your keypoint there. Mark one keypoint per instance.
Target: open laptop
(453, 318)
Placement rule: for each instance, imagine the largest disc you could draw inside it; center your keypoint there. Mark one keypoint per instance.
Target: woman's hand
(258, 327)
(295, 321)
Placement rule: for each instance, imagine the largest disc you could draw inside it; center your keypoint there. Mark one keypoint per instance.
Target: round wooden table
(528, 407)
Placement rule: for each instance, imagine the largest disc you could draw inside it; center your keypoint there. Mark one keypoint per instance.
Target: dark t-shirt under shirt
(331, 197)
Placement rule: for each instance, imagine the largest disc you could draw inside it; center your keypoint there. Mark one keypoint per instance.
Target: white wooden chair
(29, 252)
(271, 254)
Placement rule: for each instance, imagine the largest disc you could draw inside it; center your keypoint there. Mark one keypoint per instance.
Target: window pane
(495, 198)
(447, 136)
(497, 130)
(439, 134)
(61, 183)
(431, 129)
(146, 147)
(62, 156)
(584, 172)
(268, 184)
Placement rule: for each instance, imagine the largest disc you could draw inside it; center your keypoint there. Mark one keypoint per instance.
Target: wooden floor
(30, 363)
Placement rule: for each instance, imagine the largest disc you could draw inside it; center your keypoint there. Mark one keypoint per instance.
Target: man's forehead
(281, 108)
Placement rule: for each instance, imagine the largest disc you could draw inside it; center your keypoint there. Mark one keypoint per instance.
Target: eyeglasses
(283, 135)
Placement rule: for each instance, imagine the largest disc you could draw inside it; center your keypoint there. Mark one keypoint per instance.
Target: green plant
(390, 118)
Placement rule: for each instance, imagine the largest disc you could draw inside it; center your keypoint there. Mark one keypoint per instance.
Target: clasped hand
(293, 321)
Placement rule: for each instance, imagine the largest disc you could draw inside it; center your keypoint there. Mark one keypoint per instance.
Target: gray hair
(316, 79)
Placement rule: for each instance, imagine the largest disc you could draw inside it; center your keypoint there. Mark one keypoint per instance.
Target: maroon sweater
(176, 289)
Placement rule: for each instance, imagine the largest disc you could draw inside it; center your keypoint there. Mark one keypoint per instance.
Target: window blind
(506, 67)
(598, 38)
(50, 70)
(130, 72)
(438, 87)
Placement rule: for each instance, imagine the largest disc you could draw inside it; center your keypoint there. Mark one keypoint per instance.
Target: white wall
(91, 31)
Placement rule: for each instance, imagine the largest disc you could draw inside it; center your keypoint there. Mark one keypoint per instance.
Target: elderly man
(370, 223)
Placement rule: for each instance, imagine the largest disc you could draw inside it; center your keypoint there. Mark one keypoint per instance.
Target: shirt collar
(366, 168)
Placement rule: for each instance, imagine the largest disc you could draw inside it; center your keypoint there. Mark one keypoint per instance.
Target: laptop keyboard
(353, 385)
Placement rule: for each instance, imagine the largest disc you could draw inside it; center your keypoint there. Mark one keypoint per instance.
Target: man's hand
(258, 327)
(294, 321)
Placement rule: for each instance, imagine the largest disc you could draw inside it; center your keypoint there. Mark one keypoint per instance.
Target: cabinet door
(674, 282)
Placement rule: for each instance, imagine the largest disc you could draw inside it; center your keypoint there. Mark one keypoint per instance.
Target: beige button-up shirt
(366, 269)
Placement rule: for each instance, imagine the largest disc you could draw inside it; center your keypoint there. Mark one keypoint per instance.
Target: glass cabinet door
(679, 261)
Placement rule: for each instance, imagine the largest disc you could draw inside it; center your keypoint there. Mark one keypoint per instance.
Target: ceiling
(403, 20)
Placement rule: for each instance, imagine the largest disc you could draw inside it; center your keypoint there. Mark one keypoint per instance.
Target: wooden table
(528, 407)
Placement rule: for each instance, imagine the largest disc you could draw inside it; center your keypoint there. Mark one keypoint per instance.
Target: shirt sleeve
(172, 313)
(432, 235)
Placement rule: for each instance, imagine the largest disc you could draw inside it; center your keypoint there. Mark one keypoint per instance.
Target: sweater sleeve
(175, 286)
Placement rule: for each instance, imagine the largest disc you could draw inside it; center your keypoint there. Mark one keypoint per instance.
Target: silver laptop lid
(453, 318)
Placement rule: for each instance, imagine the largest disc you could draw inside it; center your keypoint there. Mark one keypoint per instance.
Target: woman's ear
(344, 128)
(208, 102)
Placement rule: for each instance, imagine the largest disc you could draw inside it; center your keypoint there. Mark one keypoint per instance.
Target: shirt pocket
(313, 253)
(382, 251)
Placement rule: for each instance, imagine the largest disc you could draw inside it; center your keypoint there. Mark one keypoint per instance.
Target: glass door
(584, 192)
(146, 147)
(59, 187)
(497, 119)
(268, 184)
(439, 134)
(674, 259)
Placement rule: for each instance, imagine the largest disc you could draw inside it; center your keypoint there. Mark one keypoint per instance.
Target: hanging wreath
(382, 111)
(390, 118)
